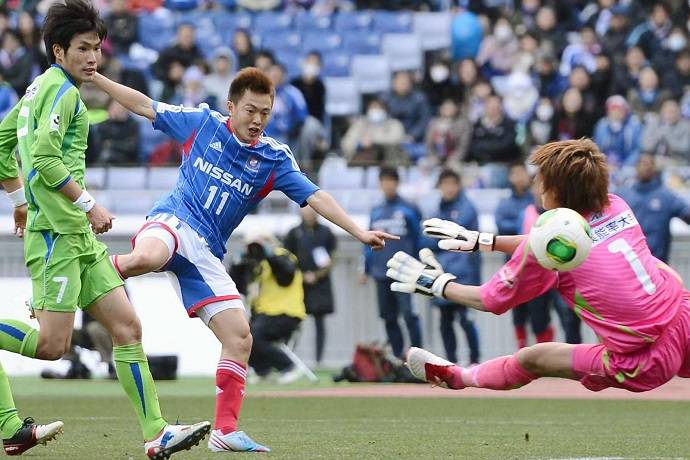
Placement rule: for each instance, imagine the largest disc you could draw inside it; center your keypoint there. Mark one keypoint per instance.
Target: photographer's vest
(274, 299)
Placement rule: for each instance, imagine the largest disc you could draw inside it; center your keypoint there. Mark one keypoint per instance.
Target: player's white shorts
(199, 278)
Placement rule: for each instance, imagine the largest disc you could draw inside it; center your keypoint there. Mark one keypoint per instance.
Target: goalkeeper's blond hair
(575, 172)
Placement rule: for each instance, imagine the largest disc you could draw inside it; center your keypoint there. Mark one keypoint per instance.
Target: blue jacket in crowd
(654, 205)
(622, 145)
(398, 217)
(467, 267)
(509, 213)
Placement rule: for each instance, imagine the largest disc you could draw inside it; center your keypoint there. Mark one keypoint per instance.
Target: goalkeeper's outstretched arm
(457, 238)
(131, 99)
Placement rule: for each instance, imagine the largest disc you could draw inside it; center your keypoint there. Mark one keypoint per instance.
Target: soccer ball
(560, 239)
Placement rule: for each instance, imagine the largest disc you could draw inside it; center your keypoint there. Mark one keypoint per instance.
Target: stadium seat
(270, 21)
(149, 138)
(488, 197)
(371, 72)
(207, 39)
(137, 202)
(342, 96)
(181, 5)
(120, 178)
(336, 175)
(291, 58)
(281, 40)
(156, 31)
(162, 178)
(433, 30)
(320, 41)
(95, 178)
(404, 51)
(346, 21)
(230, 21)
(336, 64)
(391, 22)
(307, 21)
(362, 42)
(229, 4)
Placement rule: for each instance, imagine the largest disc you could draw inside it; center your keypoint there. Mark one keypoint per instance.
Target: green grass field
(101, 425)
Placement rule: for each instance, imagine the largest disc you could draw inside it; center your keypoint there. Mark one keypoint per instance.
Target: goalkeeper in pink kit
(635, 303)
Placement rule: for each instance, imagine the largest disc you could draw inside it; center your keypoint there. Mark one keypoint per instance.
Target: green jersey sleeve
(8, 143)
(53, 122)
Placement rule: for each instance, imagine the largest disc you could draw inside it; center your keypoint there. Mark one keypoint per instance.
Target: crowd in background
(517, 74)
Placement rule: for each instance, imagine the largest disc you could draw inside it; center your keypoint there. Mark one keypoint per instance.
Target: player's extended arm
(426, 276)
(131, 99)
(457, 238)
(324, 204)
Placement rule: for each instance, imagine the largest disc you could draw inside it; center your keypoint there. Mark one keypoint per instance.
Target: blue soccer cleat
(237, 441)
(175, 438)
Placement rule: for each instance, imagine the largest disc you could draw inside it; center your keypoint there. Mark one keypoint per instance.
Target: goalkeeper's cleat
(175, 438)
(31, 434)
(430, 368)
(237, 441)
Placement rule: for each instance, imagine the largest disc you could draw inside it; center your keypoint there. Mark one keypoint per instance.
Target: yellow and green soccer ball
(560, 239)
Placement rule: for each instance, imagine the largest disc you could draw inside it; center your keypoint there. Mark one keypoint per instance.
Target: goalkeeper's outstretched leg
(503, 373)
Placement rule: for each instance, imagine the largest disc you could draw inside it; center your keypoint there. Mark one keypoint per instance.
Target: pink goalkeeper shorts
(643, 370)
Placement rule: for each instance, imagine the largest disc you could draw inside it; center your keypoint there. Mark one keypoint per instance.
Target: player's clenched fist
(424, 276)
(455, 237)
(100, 218)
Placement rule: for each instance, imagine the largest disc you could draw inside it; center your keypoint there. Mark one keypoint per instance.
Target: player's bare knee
(529, 359)
(127, 331)
(51, 350)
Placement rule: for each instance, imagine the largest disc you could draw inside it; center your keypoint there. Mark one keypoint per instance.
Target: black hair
(448, 173)
(389, 172)
(65, 20)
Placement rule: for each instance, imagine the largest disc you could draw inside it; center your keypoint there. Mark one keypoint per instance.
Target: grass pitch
(99, 424)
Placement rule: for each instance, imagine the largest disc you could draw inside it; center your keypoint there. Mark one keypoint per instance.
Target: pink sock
(504, 373)
(230, 377)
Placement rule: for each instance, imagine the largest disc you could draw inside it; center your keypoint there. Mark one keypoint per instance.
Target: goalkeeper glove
(457, 238)
(412, 275)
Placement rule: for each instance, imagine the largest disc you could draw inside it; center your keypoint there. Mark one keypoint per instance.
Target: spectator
(602, 79)
(493, 141)
(15, 62)
(244, 50)
(615, 32)
(468, 76)
(289, 108)
(448, 135)
(549, 33)
(580, 79)
(437, 84)
(31, 40)
(499, 50)
(8, 98)
(216, 83)
(399, 217)
(313, 244)
(526, 15)
(572, 121)
(541, 128)
(650, 35)
(618, 134)
(119, 137)
(123, 26)
(667, 134)
(625, 77)
(409, 105)
(264, 60)
(583, 53)
(527, 54)
(276, 297)
(456, 207)
(677, 80)
(550, 82)
(192, 93)
(520, 96)
(647, 97)
(466, 34)
(174, 60)
(374, 138)
(654, 206)
(509, 210)
(311, 86)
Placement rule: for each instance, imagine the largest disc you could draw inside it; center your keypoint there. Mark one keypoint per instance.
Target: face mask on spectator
(503, 32)
(310, 70)
(544, 112)
(439, 73)
(676, 42)
(376, 115)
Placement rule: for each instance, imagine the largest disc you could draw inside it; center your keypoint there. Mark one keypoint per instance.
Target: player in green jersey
(69, 268)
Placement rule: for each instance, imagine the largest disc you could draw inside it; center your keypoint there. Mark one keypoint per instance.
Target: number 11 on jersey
(213, 190)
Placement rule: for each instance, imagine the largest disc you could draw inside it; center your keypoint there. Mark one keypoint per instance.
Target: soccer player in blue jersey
(228, 166)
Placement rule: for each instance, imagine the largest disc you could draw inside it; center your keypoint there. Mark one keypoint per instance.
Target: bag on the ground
(373, 363)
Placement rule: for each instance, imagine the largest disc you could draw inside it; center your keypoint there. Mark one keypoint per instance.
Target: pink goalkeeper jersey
(621, 291)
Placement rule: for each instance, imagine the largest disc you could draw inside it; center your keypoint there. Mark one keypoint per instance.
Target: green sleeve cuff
(52, 171)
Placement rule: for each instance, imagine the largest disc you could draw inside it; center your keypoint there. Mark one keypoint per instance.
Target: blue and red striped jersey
(221, 178)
